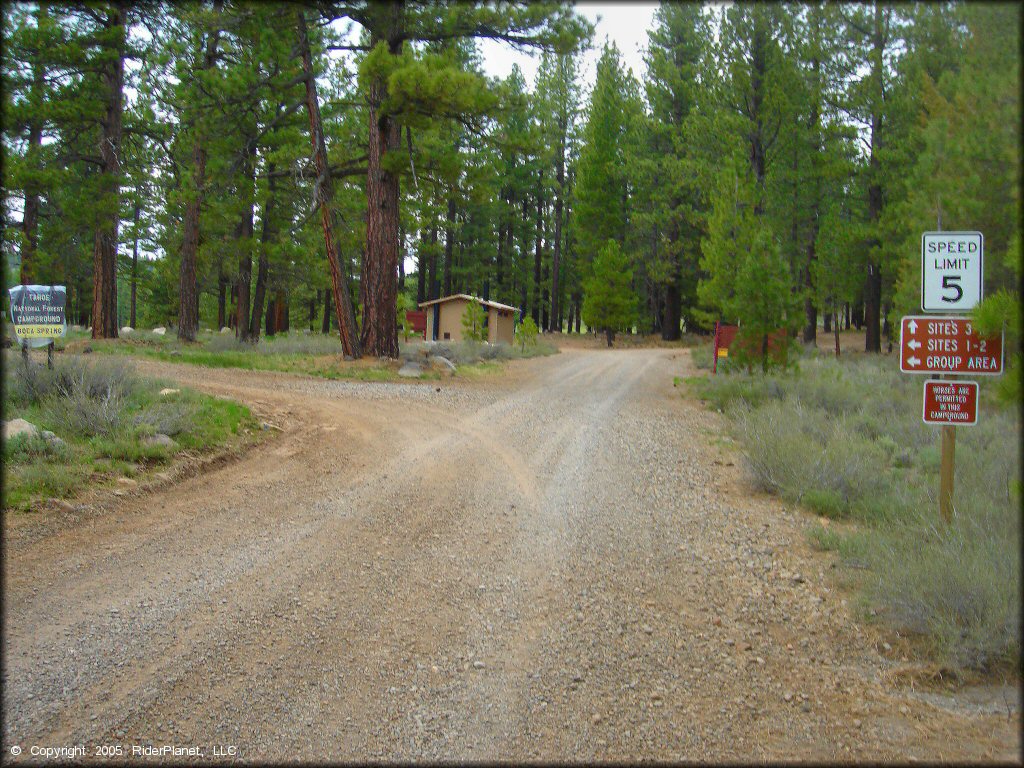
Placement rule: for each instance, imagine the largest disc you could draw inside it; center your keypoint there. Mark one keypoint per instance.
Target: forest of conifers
(267, 165)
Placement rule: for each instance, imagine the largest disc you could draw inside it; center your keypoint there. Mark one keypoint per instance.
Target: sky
(625, 24)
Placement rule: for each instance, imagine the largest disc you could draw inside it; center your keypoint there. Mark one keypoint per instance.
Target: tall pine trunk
(222, 298)
(325, 327)
(243, 239)
(378, 287)
(873, 279)
(267, 233)
(449, 245)
(673, 308)
(432, 285)
(30, 216)
(758, 72)
(135, 263)
(538, 239)
(509, 246)
(188, 288)
(421, 269)
(324, 199)
(810, 335)
(556, 256)
(104, 262)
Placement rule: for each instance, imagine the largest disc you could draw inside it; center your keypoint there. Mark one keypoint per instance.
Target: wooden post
(946, 473)
(49, 355)
(24, 353)
(714, 353)
(947, 462)
(835, 317)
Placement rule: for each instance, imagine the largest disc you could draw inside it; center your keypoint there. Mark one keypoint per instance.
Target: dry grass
(845, 438)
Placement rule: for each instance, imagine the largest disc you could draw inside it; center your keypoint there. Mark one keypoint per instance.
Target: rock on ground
(16, 427)
(158, 439)
(443, 361)
(411, 370)
(160, 331)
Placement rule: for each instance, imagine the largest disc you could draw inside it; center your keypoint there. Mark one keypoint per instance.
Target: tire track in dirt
(519, 569)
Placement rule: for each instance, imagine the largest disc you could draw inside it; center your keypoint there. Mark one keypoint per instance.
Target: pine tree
(601, 187)
(747, 278)
(609, 303)
(673, 201)
(558, 99)
(404, 86)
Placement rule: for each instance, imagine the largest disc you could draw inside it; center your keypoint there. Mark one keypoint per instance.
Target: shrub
(166, 418)
(47, 478)
(101, 379)
(958, 586)
(794, 450)
(468, 352)
(79, 414)
(526, 333)
(703, 356)
(90, 399)
(24, 448)
(28, 385)
(403, 305)
(279, 344)
(845, 438)
(473, 318)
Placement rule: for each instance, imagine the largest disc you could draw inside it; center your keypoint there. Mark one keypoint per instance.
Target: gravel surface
(561, 564)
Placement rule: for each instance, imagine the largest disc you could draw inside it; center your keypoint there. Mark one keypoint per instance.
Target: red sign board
(417, 321)
(950, 402)
(931, 344)
(725, 340)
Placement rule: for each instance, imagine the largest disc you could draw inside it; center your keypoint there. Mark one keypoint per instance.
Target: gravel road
(562, 564)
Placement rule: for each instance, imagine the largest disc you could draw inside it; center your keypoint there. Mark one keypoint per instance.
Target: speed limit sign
(951, 271)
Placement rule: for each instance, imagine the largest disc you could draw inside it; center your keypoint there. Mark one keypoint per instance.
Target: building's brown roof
(467, 297)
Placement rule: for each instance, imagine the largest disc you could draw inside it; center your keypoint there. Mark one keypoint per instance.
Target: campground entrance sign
(37, 313)
(951, 271)
(952, 280)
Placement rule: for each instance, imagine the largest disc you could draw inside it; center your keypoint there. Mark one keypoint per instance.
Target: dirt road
(564, 564)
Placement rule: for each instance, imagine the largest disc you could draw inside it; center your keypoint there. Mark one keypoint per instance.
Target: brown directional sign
(950, 402)
(932, 344)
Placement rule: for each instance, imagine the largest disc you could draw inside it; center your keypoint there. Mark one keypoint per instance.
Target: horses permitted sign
(950, 402)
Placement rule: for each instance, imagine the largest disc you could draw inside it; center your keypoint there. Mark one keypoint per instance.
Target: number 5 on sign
(951, 271)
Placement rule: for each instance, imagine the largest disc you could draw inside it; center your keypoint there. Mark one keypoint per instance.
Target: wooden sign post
(946, 467)
(949, 403)
(952, 275)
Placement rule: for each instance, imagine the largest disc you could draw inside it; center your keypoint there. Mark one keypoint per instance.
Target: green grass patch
(310, 354)
(109, 422)
(478, 370)
(845, 440)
